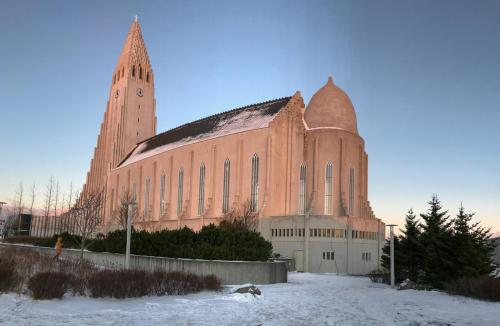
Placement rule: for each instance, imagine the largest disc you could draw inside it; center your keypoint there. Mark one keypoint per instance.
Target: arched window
(179, 191)
(302, 189)
(201, 190)
(254, 195)
(162, 195)
(112, 207)
(225, 194)
(114, 79)
(351, 191)
(118, 76)
(328, 188)
(133, 71)
(123, 72)
(140, 72)
(146, 197)
(147, 77)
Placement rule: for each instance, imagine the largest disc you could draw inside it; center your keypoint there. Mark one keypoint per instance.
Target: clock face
(117, 93)
(140, 92)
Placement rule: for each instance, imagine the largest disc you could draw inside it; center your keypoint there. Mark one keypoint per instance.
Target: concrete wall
(354, 255)
(230, 272)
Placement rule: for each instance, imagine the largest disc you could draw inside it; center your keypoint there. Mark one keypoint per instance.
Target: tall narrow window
(225, 194)
(133, 71)
(179, 191)
(302, 189)
(123, 72)
(351, 191)
(162, 195)
(112, 207)
(201, 190)
(147, 77)
(254, 195)
(140, 72)
(146, 197)
(328, 188)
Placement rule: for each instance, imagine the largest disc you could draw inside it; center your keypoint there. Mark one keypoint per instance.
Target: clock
(117, 93)
(140, 92)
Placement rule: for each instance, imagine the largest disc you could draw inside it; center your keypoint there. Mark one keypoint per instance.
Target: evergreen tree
(437, 247)
(471, 246)
(411, 252)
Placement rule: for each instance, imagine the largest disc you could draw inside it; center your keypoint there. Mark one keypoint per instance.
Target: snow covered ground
(308, 299)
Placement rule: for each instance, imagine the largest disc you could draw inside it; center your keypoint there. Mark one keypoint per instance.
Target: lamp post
(1, 205)
(393, 281)
(129, 233)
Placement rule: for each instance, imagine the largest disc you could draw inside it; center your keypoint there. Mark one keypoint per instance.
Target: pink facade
(289, 161)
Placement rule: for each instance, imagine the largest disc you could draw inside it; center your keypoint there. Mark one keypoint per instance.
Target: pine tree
(437, 247)
(411, 252)
(471, 246)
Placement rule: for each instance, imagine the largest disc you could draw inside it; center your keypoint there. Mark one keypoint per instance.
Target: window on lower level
(328, 255)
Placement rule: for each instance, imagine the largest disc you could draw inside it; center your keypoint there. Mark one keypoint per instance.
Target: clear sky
(424, 77)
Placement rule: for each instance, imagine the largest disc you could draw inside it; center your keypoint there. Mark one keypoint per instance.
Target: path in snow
(308, 299)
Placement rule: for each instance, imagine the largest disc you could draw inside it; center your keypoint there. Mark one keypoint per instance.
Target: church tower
(130, 115)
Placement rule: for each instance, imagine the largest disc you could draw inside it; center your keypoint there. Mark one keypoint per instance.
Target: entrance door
(299, 260)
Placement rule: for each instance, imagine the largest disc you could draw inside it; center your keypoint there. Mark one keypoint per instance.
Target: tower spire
(130, 112)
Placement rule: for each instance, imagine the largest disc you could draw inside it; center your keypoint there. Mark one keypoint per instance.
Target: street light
(391, 226)
(1, 205)
(129, 233)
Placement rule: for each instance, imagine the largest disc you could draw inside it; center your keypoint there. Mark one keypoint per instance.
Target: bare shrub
(138, 283)
(241, 217)
(120, 214)
(80, 272)
(120, 283)
(25, 270)
(26, 263)
(49, 285)
(379, 276)
(484, 288)
(8, 275)
(211, 283)
(86, 215)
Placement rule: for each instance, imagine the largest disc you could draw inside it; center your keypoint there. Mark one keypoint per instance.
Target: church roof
(247, 118)
(331, 107)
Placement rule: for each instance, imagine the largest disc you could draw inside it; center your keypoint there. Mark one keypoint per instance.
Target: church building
(301, 168)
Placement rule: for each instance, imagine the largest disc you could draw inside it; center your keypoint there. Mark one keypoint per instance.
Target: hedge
(222, 242)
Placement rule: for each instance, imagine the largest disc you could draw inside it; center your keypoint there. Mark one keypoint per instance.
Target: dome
(331, 107)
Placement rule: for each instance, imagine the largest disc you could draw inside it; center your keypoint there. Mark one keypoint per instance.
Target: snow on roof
(247, 118)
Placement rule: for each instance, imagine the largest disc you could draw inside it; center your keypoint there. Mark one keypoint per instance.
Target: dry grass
(138, 283)
(483, 288)
(25, 264)
(24, 270)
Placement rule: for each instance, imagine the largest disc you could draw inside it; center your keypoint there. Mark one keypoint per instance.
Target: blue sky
(424, 77)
